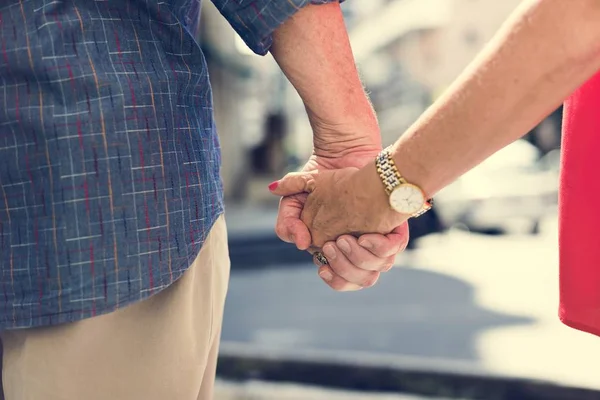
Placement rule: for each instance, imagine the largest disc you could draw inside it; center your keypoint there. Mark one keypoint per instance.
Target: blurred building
(411, 50)
(408, 52)
(247, 89)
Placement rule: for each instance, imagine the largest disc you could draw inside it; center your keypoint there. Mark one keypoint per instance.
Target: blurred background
(478, 286)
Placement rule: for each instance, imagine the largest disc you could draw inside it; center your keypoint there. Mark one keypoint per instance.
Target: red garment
(579, 210)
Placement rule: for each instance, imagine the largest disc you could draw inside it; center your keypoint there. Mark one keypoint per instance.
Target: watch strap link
(391, 178)
(388, 172)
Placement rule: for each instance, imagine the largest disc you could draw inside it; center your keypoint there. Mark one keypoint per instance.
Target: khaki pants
(163, 348)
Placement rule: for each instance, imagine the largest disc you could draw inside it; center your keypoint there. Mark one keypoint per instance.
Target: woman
(547, 52)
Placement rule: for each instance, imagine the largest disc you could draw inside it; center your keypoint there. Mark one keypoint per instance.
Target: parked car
(511, 192)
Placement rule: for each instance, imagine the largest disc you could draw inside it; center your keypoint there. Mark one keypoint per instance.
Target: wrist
(358, 135)
(404, 197)
(340, 105)
(415, 170)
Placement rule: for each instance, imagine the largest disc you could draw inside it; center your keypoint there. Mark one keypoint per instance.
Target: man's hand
(353, 264)
(341, 201)
(289, 228)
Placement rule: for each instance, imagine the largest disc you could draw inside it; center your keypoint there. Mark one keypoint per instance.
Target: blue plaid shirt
(109, 157)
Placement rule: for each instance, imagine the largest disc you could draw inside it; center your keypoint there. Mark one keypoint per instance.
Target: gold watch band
(391, 177)
(388, 172)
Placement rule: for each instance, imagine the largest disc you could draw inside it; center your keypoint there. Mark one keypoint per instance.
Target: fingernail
(326, 275)
(329, 252)
(366, 244)
(292, 239)
(273, 185)
(344, 245)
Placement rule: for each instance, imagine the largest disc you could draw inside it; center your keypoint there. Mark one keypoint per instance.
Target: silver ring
(321, 258)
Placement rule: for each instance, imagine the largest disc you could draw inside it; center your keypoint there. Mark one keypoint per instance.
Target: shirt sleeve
(255, 20)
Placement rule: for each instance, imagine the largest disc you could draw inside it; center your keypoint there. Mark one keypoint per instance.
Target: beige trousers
(163, 348)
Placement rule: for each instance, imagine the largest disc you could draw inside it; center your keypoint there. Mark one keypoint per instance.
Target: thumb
(294, 183)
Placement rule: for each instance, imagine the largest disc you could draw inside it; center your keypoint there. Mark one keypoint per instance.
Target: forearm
(313, 50)
(546, 50)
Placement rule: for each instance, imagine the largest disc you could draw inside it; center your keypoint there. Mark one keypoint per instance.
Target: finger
(293, 183)
(342, 267)
(360, 257)
(388, 245)
(336, 282)
(289, 227)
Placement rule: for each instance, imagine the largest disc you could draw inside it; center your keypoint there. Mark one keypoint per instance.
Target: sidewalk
(518, 276)
(490, 300)
(255, 390)
(374, 376)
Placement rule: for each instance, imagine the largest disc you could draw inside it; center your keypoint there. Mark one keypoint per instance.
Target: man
(113, 254)
(547, 52)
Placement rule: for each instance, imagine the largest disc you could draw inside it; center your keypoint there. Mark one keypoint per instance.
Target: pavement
(256, 390)
(489, 302)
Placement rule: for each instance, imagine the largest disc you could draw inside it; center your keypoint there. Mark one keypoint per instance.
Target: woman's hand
(354, 264)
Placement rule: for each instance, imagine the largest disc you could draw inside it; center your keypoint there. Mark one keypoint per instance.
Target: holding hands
(334, 207)
(342, 201)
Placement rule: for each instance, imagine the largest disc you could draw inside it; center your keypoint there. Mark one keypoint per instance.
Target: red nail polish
(273, 185)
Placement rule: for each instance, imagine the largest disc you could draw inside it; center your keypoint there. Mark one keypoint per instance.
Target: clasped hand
(344, 213)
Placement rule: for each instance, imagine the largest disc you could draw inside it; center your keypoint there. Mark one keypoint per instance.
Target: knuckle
(353, 288)
(362, 264)
(370, 280)
(390, 251)
(406, 231)
(337, 267)
(347, 287)
(367, 265)
(319, 243)
(280, 232)
(309, 181)
(338, 285)
(405, 244)
(283, 234)
(289, 175)
(388, 264)
(387, 267)
(380, 250)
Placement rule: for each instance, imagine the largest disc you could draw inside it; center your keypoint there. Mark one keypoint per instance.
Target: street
(490, 301)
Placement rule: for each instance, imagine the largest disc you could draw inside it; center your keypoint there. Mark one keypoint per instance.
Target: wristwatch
(404, 197)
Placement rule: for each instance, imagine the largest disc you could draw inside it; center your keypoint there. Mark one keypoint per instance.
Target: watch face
(407, 199)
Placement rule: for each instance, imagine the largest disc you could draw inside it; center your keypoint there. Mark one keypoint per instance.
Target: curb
(375, 373)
